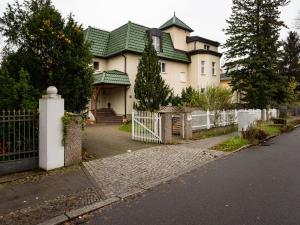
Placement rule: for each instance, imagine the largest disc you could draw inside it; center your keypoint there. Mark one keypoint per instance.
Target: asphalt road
(260, 185)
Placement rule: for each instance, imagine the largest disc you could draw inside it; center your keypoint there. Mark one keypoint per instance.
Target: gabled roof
(112, 77)
(130, 37)
(174, 21)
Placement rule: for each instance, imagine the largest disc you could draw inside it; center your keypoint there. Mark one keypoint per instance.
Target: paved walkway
(134, 172)
(39, 196)
(107, 140)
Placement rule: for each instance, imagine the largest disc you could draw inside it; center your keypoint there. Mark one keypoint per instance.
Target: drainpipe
(125, 88)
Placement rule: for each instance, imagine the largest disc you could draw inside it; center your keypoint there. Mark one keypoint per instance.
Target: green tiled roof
(99, 40)
(174, 21)
(129, 37)
(112, 77)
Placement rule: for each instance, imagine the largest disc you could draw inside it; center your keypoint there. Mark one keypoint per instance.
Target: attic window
(156, 43)
(96, 65)
(206, 47)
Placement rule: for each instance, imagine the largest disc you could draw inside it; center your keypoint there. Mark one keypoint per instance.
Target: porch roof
(112, 77)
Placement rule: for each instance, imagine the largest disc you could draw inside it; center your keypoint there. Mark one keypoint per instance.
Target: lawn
(126, 127)
(269, 128)
(231, 144)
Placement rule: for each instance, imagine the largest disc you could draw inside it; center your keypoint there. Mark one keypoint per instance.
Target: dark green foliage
(176, 100)
(252, 51)
(290, 58)
(52, 50)
(150, 89)
(16, 93)
(187, 95)
(7, 90)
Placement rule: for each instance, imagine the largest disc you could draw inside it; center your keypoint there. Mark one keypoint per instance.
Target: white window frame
(183, 77)
(213, 68)
(156, 43)
(206, 47)
(202, 67)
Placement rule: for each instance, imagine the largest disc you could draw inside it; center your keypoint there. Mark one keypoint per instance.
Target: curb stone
(131, 193)
(56, 220)
(78, 212)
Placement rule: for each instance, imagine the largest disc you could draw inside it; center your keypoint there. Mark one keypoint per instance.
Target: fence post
(187, 130)
(224, 123)
(132, 126)
(207, 119)
(166, 128)
(51, 149)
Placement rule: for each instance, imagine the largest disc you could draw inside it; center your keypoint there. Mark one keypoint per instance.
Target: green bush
(279, 121)
(254, 134)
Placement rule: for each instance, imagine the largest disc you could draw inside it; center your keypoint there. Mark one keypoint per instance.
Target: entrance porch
(109, 100)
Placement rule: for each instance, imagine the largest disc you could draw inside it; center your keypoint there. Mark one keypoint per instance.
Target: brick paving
(136, 171)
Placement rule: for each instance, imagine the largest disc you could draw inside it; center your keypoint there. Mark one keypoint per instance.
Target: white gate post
(51, 149)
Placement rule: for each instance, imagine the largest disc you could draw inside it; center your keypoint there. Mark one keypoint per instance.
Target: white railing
(146, 126)
(209, 119)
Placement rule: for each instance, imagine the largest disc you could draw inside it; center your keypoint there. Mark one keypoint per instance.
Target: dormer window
(206, 47)
(156, 43)
(96, 66)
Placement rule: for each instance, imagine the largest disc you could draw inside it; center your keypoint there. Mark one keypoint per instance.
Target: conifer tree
(150, 89)
(252, 51)
(52, 50)
(290, 58)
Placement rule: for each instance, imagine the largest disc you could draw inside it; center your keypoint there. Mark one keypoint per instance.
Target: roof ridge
(96, 28)
(139, 25)
(127, 35)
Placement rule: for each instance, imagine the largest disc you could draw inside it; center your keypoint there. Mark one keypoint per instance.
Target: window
(203, 87)
(96, 65)
(156, 43)
(183, 77)
(213, 68)
(206, 47)
(202, 67)
(162, 67)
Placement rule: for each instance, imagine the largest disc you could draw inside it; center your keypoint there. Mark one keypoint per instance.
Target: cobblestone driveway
(107, 140)
(134, 172)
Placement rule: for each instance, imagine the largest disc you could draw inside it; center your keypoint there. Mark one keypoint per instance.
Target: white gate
(146, 126)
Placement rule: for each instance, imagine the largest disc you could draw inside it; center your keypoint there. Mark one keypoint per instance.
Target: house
(225, 83)
(185, 60)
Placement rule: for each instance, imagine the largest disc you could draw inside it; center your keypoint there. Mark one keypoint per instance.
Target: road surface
(260, 185)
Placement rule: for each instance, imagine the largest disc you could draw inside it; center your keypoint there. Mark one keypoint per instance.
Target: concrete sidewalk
(39, 196)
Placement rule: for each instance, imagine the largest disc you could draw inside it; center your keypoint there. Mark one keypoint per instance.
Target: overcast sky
(206, 17)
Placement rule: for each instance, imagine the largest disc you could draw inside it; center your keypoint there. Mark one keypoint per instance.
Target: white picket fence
(208, 119)
(146, 126)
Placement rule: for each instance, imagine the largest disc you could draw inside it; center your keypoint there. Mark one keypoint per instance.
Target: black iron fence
(18, 140)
